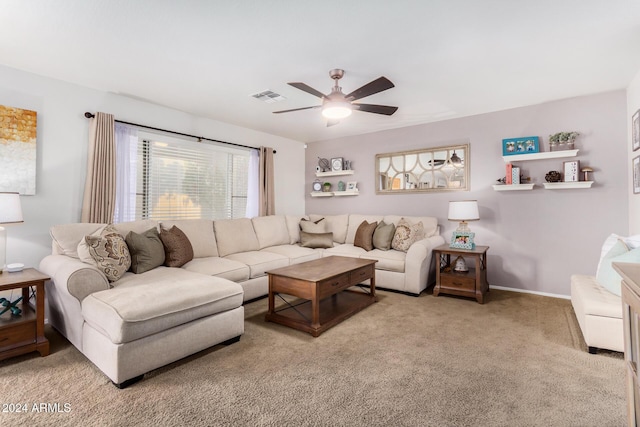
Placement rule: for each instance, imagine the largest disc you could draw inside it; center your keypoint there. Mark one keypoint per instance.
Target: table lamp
(463, 211)
(10, 213)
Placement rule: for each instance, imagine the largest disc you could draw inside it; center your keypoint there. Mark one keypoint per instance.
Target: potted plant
(553, 141)
(326, 187)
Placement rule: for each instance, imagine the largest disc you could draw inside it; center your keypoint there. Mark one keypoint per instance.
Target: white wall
(537, 238)
(62, 150)
(633, 104)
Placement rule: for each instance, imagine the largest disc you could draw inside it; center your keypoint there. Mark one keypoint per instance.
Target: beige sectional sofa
(143, 321)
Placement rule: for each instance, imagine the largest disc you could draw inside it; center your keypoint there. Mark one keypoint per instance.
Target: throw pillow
(319, 226)
(147, 251)
(406, 235)
(177, 247)
(364, 235)
(316, 240)
(110, 253)
(383, 236)
(607, 277)
(83, 248)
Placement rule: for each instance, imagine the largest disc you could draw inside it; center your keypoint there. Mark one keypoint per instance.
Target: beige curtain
(100, 185)
(266, 198)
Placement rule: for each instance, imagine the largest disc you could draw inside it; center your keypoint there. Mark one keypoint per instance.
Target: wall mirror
(424, 170)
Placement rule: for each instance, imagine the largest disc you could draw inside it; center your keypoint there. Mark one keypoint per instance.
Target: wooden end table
(24, 333)
(472, 283)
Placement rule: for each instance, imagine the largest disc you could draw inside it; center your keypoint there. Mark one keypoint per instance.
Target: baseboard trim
(526, 291)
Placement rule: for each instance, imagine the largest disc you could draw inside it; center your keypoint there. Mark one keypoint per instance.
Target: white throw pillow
(607, 277)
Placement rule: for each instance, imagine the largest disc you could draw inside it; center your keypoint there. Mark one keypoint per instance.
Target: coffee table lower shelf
(333, 310)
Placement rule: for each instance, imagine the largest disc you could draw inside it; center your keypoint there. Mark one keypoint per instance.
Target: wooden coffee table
(322, 288)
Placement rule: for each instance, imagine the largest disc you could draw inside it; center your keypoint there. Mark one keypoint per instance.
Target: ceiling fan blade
(378, 85)
(332, 122)
(378, 109)
(296, 109)
(308, 89)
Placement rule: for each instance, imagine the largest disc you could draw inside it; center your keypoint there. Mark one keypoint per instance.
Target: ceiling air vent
(268, 96)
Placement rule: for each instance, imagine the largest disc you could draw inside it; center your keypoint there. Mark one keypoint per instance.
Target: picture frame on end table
(462, 240)
(636, 175)
(571, 171)
(635, 130)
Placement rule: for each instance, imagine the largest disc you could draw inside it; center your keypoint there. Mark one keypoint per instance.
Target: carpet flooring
(517, 360)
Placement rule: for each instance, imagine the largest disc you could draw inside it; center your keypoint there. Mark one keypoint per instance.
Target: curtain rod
(199, 138)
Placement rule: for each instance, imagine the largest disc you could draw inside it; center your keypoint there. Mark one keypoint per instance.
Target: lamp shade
(336, 109)
(10, 208)
(465, 210)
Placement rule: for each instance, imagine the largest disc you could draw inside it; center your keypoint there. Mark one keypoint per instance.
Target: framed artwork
(462, 240)
(18, 150)
(352, 186)
(571, 171)
(524, 145)
(636, 175)
(336, 163)
(635, 130)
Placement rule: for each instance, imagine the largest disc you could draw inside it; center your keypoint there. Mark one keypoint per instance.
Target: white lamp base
(3, 249)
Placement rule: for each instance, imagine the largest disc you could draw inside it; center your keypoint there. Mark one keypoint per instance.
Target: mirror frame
(465, 148)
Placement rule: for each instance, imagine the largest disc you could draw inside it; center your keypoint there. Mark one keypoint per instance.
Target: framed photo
(571, 171)
(352, 186)
(336, 163)
(635, 129)
(462, 240)
(636, 175)
(523, 145)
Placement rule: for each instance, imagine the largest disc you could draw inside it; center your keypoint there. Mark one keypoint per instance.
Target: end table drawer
(17, 335)
(458, 282)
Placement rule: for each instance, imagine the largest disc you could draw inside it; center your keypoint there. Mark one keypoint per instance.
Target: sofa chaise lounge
(144, 321)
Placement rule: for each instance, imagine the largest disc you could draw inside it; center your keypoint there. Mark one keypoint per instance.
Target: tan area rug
(518, 360)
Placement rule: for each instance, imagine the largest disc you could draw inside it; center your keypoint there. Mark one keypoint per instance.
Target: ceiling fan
(337, 105)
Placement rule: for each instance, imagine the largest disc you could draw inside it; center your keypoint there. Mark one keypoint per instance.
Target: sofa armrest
(417, 263)
(73, 277)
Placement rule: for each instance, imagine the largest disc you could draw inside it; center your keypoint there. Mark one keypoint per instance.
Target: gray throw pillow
(147, 251)
(319, 226)
(364, 235)
(316, 240)
(177, 248)
(383, 235)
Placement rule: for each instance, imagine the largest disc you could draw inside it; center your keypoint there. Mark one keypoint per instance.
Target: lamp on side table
(10, 213)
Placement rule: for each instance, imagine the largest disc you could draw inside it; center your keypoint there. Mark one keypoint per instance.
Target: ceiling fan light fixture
(336, 109)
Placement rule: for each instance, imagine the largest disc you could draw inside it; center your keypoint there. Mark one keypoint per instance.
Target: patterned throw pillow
(110, 252)
(364, 235)
(177, 248)
(406, 235)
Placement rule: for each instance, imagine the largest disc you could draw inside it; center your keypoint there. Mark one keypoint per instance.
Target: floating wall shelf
(540, 156)
(335, 173)
(513, 187)
(567, 185)
(333, 193)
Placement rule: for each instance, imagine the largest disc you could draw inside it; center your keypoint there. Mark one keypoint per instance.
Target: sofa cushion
(295, 253)
(429, 223)
(146, 249)
(293, 226)
(607, 277)
(200, 234)
(316, 240)
(156, 301)
(219, 267)
(259, 261)
(383, 235)
(235, 235)
(271, 230)
(110, 253)
(346, 249)
(406, 234)
(390, 260)
(364, 235)
(336, 224)
(317, 226)
(66, 237)
(593, 299)
(354, 222)
(177, 247)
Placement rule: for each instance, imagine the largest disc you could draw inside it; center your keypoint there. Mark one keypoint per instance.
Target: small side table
(24, 333)
(472, 283)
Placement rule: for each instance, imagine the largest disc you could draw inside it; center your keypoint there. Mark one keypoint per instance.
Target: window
(181, 179)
